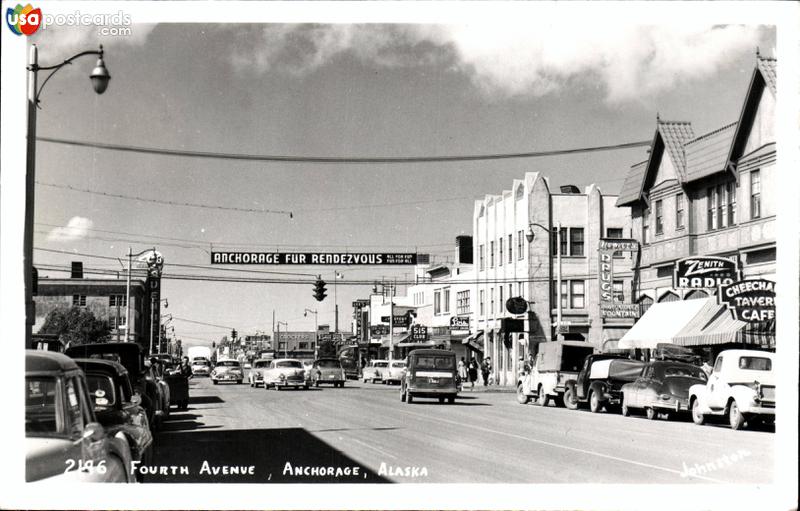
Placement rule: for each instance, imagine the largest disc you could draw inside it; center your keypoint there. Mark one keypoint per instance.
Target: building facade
(295, 344)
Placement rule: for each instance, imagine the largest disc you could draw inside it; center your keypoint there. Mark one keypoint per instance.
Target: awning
(475, 341)
(715, 324)
(661, 323)
(397, 340)
(412, 344)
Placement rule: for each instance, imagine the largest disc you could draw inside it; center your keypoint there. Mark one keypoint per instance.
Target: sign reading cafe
(750, 300)
(610, 307)
(704, 272)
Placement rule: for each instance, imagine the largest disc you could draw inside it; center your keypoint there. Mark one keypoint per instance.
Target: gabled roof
(769, 70)
(708, 154)
(674, 134)
(632, 186)
(764, 77)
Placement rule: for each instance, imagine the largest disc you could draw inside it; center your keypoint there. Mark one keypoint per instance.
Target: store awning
(715, 324)
(412, 344)
(661, 323)
(475, 341)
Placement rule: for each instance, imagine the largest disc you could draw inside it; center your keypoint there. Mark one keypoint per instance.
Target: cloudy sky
(349, 90)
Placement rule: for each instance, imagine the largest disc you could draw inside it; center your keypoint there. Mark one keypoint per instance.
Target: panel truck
(556, 363)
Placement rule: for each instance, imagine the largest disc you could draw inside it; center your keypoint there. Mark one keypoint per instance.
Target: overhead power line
(336, 159)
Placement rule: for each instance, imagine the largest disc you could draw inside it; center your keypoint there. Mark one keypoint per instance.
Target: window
(462, 302)
(500, 300)
(755, 194)
(575, 241)
(718, 365)
(500, 248)
(659, 217)
(112, 321)
(491, 300)
(117, 301)
(481, 302)
(437, 302)
(619, 291)
(554, 242)
(446, 301)
(282, 345)
(482, 256)
(303, 346)
(491, 254)
(615, 233)
(520, 252)
(721, 205)
(577, 294)
(645, 226)
(510, 290)
(79, 300)
(680, 221)
(710, 207)
(510, 252)
(564, 295)
(521, 289)
(732, 203)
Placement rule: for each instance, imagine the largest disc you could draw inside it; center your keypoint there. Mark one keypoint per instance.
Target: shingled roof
(708, 153)
(769, 70)
(632, 186)
(675, 134)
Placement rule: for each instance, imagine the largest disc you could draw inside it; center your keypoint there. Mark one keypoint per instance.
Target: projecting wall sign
(609, 307)
(704, 272)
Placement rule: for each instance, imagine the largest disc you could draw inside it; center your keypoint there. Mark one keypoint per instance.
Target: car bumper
(432, 391)
(759, 409)
(227, 377)
(673, 405)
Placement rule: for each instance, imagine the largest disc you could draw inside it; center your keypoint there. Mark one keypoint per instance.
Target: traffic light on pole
(319, 290)
(233, 334)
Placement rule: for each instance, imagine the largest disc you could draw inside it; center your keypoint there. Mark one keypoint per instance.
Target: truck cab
(600, 381)
(556, 363)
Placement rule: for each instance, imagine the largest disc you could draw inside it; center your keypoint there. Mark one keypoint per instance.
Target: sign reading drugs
(314, 258)
(752, 301)
(609, 306)
(704, 272)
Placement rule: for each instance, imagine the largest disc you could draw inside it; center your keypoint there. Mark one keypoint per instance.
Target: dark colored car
(600, 381)
(430, 373)
(63, 438)
(116, 406)
(327, 370)
(131, 356)
(662, 386)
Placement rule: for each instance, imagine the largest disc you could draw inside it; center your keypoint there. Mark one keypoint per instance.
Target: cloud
(629, 62)
(77, 228)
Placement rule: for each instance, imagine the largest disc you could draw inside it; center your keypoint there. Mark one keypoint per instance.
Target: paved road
(365, 432)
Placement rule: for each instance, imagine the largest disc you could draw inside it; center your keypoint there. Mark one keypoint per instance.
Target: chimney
(77, 270)
(463, 249)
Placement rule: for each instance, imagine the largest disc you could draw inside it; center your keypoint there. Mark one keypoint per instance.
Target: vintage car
(131, 356)
(256, 375)
(227, 370)
(393, 372)
(600, 381)
(327, 370)
(201, 367)
(430, 373)
(64, 440)
(285, 372)
(741, 387)
(116, 406)
(374, 371)
(155, 371)
(556, 363)
(662, 386)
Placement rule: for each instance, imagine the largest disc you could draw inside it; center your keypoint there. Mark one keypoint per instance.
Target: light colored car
(227, 370)
(256, 375)
(374, 371)
(201, 367)
(663, 386)
(741, 387)
(327, 370)
(285, 372)
(393, 373)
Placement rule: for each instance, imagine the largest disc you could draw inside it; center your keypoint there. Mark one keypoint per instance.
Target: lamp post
(316, 329)
(336, 276)
(278, 336)
(99, 77)
(530, 236)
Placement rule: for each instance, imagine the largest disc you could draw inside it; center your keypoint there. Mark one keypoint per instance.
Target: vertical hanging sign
(609, 307)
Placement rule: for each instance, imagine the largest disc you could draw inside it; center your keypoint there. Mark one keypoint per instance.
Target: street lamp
(278, 335)
(530, 236)
(316, 329)
(336, 276)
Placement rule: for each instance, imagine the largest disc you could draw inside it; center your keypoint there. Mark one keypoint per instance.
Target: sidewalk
(491, 388)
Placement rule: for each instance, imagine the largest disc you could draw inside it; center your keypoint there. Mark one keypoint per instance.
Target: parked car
(556, 363)
(393, 372)
(600, 381)
(227, 370)
(374, 370)
(64, 440)
(327, 370)
(201, 367)
(155, 371)
(285, 372)
(741, 387)
(662, 386)
(131, 356)
(430, 373)
(256, 375)
(116, 406)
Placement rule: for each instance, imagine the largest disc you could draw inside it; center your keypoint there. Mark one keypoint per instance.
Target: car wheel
(569, 399)
(238, 382)
(451, 399)
(316, 383)
(409, 398)
(305, 387)
(542, 399)
(626, 412)
(402, 395)
(735, 416)
(697, 415)
(341, 385)
(594, 402)
(441, 400)
(522, 398)
(277, 387)
(214, 382)
(650, 413)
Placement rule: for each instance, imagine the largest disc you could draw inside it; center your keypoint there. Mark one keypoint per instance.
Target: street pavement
(364, 433)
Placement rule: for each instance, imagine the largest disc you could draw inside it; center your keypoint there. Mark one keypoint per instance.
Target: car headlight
(282, 376)
(665, 396)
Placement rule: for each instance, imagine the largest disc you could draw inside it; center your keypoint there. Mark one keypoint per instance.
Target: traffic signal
(233, 334)
(319, 290)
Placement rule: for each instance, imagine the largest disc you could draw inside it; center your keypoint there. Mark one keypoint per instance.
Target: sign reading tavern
(750, 300)
(307, 258)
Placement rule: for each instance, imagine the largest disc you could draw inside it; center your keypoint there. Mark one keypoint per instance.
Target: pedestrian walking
(473, 372)
(462, 372)
(486, 368)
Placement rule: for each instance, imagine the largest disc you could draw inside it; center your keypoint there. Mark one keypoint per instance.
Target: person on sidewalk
(473, 372)
(486, 368)
(462, 373)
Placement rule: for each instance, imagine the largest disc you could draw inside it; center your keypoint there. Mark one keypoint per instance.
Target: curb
(492, 389)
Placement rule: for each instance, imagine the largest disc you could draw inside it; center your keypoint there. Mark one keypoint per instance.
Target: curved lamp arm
(56, 67)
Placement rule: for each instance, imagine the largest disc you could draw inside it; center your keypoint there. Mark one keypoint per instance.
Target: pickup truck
(741, 387)
(600, 381)
(556, 363)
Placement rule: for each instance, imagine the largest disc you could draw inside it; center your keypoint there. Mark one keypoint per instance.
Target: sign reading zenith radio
(311, 258)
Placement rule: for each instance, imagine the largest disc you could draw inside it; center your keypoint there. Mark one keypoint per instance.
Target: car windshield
(289, 363)
(42, 416)
(689, 371)
(330, 364)
(381, 364)
(261, 363)
(101, 390)
(435, 362)
(228, 363)
(755, 363)
(398, 364)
